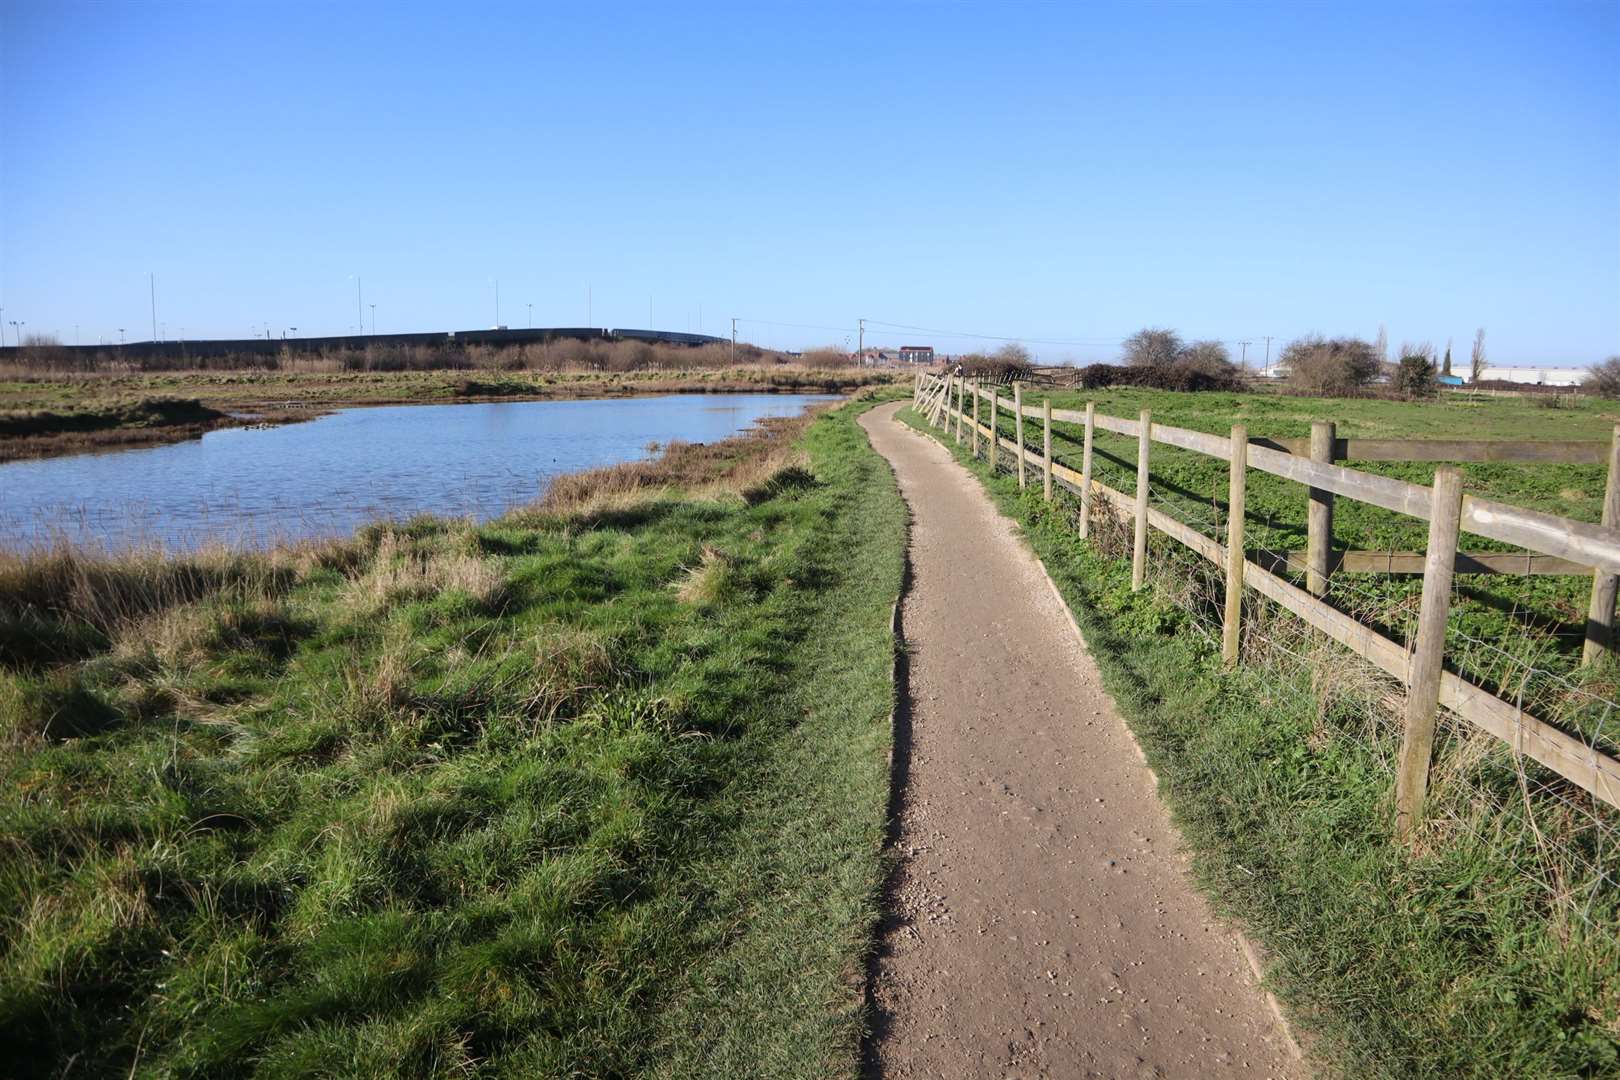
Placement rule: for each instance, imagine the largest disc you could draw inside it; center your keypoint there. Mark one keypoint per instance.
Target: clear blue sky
(1063, 173)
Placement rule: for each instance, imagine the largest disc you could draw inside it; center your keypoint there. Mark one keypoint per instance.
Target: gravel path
(1041, 923)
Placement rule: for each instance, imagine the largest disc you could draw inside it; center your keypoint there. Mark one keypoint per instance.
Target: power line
(799, 326)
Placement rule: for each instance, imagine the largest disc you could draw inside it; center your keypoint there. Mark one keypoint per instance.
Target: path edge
(898, 758)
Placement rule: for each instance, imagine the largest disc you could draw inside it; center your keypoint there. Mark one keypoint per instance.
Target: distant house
(916, 354)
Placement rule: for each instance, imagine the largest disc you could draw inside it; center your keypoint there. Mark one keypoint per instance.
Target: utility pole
(151, 280)
(733, 342)
(1245, 362)
(1268, 350)
(860, 352)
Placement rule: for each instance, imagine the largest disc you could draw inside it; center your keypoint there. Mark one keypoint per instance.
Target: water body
(328, 476)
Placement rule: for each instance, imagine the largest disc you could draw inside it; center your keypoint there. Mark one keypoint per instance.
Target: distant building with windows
(916, 354)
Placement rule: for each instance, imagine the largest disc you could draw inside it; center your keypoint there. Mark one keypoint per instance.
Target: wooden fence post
(958, 380)
(1428, 652)
(1139, 548)
(1600, 613)
(1018, 429)
(975, 418)
(1085, 472)
(1236, 491)
(1046, 419)
(995, 427)
(1319, 519)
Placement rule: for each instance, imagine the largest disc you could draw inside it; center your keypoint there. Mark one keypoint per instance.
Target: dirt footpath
(1042, 923)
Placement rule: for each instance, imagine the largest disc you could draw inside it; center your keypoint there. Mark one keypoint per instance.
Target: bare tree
(1152, 348)
(1206, 356)
(1604, 379)
(1014, 355)
(1476, 362)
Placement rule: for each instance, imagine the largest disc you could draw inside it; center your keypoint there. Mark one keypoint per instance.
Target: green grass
(1541, 619)
(1482, 951)
(598, 794)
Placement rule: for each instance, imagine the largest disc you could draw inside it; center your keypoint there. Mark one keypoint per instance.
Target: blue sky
(1064, 174)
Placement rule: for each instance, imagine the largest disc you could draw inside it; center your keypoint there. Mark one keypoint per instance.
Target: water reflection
(328, 476)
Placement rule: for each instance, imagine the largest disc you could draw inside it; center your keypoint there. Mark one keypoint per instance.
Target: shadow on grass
(881, 1021)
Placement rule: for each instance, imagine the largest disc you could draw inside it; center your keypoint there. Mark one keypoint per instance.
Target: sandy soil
(1041, 922)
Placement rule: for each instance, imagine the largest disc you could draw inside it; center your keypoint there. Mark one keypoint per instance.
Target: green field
(592, 791)
(1540, 621)
(1485, 950)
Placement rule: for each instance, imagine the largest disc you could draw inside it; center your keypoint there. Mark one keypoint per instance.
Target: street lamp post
(373, 320)
(531, 317)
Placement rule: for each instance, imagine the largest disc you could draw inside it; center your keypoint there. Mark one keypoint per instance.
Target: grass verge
(594, 789)
(1465, 956)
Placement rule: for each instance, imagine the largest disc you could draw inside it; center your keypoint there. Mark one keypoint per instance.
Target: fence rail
(1555, 545)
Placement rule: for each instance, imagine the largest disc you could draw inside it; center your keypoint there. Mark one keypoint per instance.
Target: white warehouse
(1536, 376)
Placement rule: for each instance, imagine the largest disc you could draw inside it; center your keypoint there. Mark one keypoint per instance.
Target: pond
(328, 476)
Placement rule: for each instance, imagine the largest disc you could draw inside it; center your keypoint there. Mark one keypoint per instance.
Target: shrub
(1099, 376)
(1605, 378)
(1320, 365)
(826, 356)
(1414, 376)
(1152, 348)
(1010, 361)
(1191, 375)
(1186, 375)
(1206, 356)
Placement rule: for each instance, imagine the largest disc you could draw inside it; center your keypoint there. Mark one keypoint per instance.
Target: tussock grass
(448, 799)
(1484, 949)
(762, 461)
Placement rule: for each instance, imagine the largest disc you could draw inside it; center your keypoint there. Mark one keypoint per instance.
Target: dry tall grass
(746, 465)
(558, 355)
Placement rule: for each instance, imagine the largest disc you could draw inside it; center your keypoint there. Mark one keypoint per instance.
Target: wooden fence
(1563, 545)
